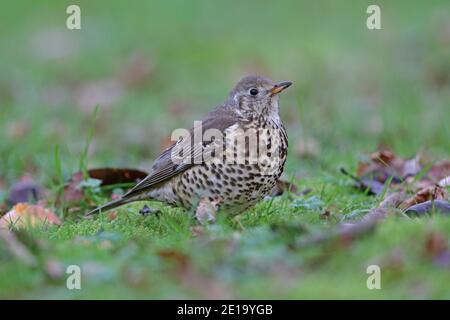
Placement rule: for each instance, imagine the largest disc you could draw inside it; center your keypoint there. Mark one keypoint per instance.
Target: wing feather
(165, 168)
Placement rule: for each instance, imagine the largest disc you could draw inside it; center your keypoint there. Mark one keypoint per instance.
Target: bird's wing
(165, 168)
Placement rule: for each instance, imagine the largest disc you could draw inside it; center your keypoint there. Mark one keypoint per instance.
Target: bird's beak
(279, 87)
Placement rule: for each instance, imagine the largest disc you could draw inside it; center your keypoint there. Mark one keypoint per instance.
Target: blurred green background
(153, 66)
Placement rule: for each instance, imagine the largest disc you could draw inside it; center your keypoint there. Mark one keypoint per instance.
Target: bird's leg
(146, 211)
(206, 210)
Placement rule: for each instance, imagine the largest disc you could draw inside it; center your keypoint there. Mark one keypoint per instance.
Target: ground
(154, 67)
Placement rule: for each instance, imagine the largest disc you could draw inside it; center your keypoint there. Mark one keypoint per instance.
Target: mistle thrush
(235, 163)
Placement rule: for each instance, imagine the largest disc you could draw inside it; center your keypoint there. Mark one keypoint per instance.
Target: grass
(353, 89)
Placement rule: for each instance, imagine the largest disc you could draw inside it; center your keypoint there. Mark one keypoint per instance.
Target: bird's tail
(110, 205)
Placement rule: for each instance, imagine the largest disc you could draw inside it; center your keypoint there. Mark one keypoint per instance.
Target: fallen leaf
(109, 176)
(72, 193)
(383, 157)
(411, 167)
(439, 171)
(25, 190)
(384, 165)
(429, 193)
(369, 185)
(24, 215)
(436, 249)
(73, 190)
(440, 206)
(435, 244)
(393, 200)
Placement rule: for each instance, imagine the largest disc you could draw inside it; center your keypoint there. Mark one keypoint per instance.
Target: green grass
(353, 89)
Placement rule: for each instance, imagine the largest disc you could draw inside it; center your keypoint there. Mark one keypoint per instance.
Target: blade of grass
(83, 165)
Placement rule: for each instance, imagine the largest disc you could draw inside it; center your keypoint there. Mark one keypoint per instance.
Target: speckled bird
(227, 178)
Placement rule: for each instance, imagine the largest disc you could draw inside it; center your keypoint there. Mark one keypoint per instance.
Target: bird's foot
(206, 211)
(146, 211)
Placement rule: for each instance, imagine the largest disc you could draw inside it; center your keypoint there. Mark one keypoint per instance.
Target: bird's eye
(253, 91)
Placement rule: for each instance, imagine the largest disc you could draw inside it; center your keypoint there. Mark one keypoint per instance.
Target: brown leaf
(73, 194)
(24, 215)
(370, 185)
(429, 193)
(393, 200)
(384, 157)
(435, 244)
(110, 176)
(410, 168)
(384, 165)
(439, 171)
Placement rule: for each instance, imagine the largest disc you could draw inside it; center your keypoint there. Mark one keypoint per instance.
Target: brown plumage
(220, 173)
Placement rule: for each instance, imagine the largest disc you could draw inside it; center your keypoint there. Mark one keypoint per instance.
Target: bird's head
(255, 96)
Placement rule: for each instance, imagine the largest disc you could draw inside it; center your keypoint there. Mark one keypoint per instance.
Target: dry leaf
(110, 176)
(439, 171)
(429, 193)
(429, 206)
(25, 190)
(73, 194)
(383, 157)
(435, 243)
(26, 215)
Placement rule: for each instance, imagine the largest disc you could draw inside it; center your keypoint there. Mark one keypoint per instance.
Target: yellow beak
(279, 87)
